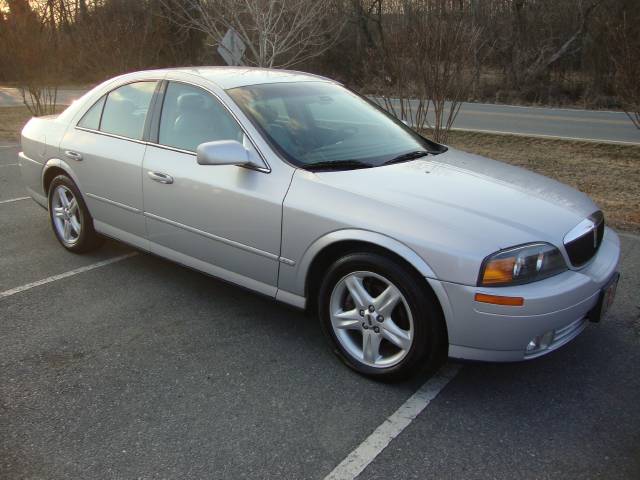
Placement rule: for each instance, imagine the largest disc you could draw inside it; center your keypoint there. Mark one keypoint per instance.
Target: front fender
(292, 287)
(367, 236)
(293, 275)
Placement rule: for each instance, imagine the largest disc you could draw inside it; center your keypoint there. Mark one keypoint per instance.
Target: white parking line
(93, 266)
(9, 165)
(11, 200)
(375, 443)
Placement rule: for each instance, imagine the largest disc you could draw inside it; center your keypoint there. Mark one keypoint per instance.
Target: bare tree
(548, 51)
(277, 33)
(625, 53)
(427, 65)
(33, 56)
(548, 55)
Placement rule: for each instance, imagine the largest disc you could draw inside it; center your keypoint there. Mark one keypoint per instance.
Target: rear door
(105, 150)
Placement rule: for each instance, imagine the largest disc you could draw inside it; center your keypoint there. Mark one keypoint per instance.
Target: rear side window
(191, 116)
(91, 119)
(125, 110)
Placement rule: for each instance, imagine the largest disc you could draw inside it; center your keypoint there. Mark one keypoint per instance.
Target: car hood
(484, 199)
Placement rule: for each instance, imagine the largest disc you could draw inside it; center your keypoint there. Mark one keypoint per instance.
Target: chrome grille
(583, 241)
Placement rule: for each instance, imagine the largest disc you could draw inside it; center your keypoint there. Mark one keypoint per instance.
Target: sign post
(232, 48)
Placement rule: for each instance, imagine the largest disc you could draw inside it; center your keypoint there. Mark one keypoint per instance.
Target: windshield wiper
(337, 165)
(405, 157)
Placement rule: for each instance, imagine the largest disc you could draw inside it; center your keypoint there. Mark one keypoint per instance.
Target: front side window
(91, 119)
(191, 116)
(320, 123)
(125, 110)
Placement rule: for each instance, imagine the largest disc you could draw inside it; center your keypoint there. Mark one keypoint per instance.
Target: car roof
(224, 77)
(231, 77)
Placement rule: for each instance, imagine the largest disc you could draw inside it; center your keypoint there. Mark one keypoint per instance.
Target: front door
(225, 220)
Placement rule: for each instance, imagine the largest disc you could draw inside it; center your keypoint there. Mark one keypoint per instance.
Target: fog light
(546, 340)
(541, 342)
(533, 345)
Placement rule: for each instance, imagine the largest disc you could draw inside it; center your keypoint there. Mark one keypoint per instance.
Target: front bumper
(557, 306)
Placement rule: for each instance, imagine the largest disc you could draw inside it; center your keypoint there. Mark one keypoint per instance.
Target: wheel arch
(332, 246)
(54, 167)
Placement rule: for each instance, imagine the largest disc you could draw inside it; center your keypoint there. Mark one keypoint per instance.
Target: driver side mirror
(227, 152)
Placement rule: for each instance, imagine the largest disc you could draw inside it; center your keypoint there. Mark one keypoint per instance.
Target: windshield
(320, 123)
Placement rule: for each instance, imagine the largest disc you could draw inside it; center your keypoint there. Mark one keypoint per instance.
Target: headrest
(191, 101)
(268, 113)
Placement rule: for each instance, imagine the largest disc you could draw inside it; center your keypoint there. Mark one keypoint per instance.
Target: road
(591, 125)
(144, 369)
(573, 124)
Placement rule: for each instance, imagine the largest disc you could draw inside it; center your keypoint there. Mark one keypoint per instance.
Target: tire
(70, 219)
(381, 340)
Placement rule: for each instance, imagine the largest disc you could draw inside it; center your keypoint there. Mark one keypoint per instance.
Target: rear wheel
(381, 317)
(70, 218)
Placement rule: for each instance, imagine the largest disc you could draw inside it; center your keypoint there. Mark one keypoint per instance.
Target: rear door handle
(73, 155)
(160, 177)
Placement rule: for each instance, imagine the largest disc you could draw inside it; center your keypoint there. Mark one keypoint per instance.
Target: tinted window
(126, 109)
(191, 116)
(319, 122)
(91, 119)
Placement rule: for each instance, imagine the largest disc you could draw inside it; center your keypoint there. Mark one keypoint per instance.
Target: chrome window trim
(106, 97)
(167, 147)
(164, 147)
(112, 135)
(173, 149)
(114, 203)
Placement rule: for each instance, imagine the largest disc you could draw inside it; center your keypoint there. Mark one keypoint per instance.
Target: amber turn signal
(499, 300)
(498, 271)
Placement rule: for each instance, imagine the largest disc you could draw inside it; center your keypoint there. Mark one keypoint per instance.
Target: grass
(610, 174)
(12, 119)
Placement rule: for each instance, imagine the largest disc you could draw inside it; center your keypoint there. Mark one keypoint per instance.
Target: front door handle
(160, 177)
(73, 155)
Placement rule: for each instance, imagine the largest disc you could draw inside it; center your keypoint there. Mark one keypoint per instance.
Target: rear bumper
(557, 306)
(31, 172)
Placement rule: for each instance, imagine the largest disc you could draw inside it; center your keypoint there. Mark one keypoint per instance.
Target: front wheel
(70, 218)
(381, 317)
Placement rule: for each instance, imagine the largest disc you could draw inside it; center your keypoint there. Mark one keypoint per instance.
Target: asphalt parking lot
(145, 369)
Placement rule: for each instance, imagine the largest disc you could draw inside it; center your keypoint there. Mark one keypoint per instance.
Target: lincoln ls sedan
(295, 187)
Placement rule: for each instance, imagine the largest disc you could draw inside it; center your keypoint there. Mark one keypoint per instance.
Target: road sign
(232, 48)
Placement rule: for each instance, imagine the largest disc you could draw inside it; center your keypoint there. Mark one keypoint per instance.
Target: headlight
(519, 265)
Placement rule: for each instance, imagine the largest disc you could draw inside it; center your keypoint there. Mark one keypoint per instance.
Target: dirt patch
(609, 174)
(12, 119)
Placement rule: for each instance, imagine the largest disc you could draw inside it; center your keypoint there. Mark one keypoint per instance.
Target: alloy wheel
(66, 215)
(371, 319)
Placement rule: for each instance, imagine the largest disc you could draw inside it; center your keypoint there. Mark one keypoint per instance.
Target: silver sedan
(295, 187)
